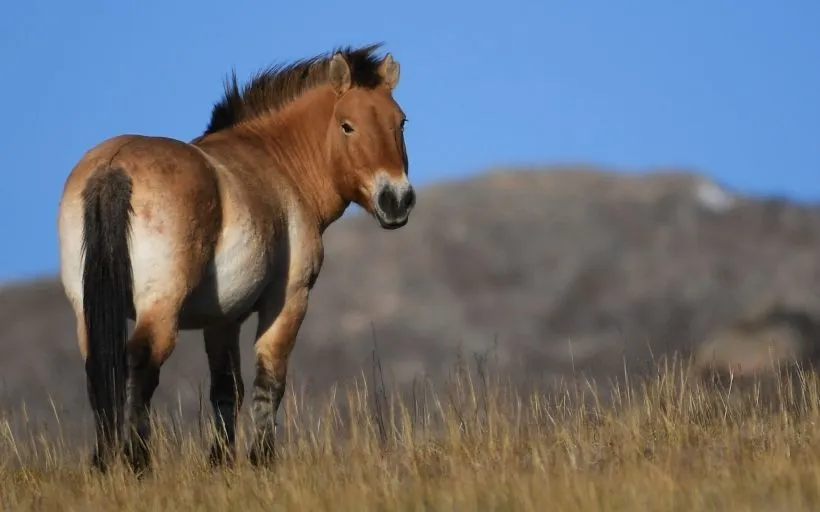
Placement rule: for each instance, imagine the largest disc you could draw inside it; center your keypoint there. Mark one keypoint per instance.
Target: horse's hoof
(98, 462)
(221, 455)
(139, 458)
(262, 454)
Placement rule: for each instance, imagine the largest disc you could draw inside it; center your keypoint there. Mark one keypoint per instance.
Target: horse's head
(366, 142)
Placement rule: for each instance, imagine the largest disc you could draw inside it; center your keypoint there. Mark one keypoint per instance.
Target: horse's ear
(389, 71)
(339, 74)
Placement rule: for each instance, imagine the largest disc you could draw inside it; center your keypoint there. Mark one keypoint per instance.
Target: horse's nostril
(388, 202)
(409, 199)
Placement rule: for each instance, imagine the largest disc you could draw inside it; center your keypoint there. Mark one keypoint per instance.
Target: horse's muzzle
(393, 205)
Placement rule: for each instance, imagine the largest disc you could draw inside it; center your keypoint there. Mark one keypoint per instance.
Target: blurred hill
(556, 271)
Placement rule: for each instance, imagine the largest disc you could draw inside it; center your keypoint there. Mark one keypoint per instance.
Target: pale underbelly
(229, 290)
(204, 308)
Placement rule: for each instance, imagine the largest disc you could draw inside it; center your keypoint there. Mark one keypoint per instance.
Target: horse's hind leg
(150, 345)
(227, 389)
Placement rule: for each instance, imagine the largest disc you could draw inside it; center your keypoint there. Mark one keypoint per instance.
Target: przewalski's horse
(200, 235)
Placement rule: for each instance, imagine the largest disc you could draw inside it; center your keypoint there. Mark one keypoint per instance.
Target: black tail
(107, 294)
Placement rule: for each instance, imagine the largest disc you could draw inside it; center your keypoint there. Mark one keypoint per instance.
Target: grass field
(667, 443)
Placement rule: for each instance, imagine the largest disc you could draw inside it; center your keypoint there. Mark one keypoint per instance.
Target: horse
(200, 235)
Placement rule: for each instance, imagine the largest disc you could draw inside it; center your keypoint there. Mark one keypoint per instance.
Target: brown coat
(200, 235)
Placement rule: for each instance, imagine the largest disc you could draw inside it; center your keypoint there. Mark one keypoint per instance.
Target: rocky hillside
(556, 271)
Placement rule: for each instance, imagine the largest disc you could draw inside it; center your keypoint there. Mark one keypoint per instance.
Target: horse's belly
(231, 284)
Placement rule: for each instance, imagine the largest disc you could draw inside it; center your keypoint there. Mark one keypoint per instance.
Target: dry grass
(477, 444)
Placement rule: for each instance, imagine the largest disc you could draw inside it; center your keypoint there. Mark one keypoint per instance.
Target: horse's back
(176, 215)
(154, 164)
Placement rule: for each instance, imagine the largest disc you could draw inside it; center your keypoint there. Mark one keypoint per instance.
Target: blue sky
(728, 88)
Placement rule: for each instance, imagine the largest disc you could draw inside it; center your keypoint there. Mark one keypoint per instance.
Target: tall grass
(478, 442)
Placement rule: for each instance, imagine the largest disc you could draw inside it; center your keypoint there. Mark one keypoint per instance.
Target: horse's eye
(347, 128)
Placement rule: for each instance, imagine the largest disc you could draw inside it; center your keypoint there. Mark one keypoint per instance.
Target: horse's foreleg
(279, 322)
(227, 389)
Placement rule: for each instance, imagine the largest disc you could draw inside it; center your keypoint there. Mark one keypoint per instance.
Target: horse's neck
(299, 153)
(283, 146)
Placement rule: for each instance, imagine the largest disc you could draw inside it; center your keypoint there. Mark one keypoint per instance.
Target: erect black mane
(274, 87)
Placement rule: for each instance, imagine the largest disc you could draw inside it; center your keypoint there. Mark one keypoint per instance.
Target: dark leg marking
(268, 391)
(143, 379)
(227, 389)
